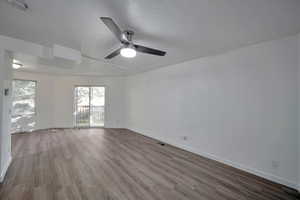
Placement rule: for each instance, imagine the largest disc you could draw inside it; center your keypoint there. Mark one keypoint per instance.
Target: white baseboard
(5, 168)
(256, 172)
(66, 127)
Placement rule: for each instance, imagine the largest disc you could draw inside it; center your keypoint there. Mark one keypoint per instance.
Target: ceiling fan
(128, 48)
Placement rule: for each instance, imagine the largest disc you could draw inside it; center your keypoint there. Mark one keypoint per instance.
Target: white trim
(256, 172)
(5, 168)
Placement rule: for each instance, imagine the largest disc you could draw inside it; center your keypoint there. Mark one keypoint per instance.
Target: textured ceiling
(185, 29)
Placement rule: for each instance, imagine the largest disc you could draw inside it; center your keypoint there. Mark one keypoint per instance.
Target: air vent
(161, 143)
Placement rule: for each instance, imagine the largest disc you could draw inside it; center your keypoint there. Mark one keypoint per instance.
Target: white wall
(5, 106)
(238, 107)
(54, 106)
(299, 112)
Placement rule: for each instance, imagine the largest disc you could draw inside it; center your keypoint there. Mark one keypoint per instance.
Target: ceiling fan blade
(113, 27)
(113, 54)
(148, 50)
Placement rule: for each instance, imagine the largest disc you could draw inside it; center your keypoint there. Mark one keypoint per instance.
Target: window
(23, 105)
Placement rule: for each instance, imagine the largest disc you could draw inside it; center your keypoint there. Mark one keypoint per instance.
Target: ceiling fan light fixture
(128, 52)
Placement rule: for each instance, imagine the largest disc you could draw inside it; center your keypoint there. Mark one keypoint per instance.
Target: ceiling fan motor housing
(128, 34)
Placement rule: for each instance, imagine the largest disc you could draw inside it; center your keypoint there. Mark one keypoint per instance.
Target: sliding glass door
(89, 106)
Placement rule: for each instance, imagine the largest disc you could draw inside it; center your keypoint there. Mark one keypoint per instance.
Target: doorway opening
(89, 106)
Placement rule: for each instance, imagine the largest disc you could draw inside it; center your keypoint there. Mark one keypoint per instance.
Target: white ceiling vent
(20, 4)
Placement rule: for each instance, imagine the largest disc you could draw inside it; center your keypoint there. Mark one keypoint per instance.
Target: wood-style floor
(117, 164)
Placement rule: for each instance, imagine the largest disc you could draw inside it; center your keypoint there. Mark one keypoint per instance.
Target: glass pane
(97, 106)
(23, 88)
(23, 105)
(82, 101)
(83, 97)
